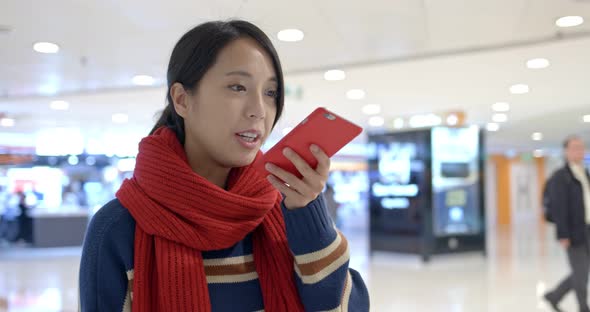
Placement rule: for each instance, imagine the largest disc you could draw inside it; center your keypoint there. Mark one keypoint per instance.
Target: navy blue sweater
(324, 281)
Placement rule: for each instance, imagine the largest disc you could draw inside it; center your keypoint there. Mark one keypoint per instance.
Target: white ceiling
(410, 56)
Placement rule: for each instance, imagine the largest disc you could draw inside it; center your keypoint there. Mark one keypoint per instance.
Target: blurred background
(464, 105)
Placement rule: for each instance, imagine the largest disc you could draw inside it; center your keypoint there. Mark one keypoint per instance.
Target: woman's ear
(180, 99)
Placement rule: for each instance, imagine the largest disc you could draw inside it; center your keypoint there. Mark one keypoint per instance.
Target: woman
(196, 228)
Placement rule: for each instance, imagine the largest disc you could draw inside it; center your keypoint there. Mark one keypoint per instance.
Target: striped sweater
(324, 281)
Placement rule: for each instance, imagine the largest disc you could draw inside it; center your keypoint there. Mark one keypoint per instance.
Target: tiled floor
(522, 263)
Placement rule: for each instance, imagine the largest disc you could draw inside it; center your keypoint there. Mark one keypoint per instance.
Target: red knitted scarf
(180, 214)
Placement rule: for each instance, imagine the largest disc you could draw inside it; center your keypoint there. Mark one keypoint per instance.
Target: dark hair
(196, 52)
(569, 139)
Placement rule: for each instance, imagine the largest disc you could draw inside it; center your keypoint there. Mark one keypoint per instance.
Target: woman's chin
(243, 161)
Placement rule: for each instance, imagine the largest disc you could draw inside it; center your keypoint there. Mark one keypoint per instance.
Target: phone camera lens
(330, 116)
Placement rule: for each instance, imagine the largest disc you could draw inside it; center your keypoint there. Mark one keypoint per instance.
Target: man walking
(570, 208)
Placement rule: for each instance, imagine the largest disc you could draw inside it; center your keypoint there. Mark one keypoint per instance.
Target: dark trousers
(25, 231)
(579, 260)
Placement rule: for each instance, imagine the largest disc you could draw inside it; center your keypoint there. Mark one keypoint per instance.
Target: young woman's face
(232, 110)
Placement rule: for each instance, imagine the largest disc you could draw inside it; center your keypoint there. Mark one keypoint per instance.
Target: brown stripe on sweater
(317, 266)
(230, 269)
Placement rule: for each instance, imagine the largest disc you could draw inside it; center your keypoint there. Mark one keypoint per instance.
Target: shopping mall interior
(464, 106)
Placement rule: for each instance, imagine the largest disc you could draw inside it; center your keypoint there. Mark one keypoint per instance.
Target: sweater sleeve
(103, 279)
(322, 257)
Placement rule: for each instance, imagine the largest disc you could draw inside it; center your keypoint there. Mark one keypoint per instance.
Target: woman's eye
(272, 93)
(237, 88)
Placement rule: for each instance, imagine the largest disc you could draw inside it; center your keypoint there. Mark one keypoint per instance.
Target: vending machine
(426, 191)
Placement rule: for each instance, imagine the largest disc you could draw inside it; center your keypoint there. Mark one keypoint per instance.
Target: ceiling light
(371, 109)
(287, 130)
(46, 47)
(586, 118)
(120, 118)
(537, 63)
(90, 161)
(422, 121)
(355, 94)
(398, 123)
(493, 127)
(537, 136)
(500, 117)
(519, 89)
(334, 75)
(569, 21)
(376, 121)
(538, 153)
(290, 35)
(452, 120)
(59, 105)
(143, 80)
(7, 122)
(73, 160)
(501, 107)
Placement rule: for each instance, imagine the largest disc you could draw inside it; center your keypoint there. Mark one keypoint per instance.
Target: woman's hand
(300, 192)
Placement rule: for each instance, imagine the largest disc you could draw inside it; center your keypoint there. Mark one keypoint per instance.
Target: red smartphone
(323, 128)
